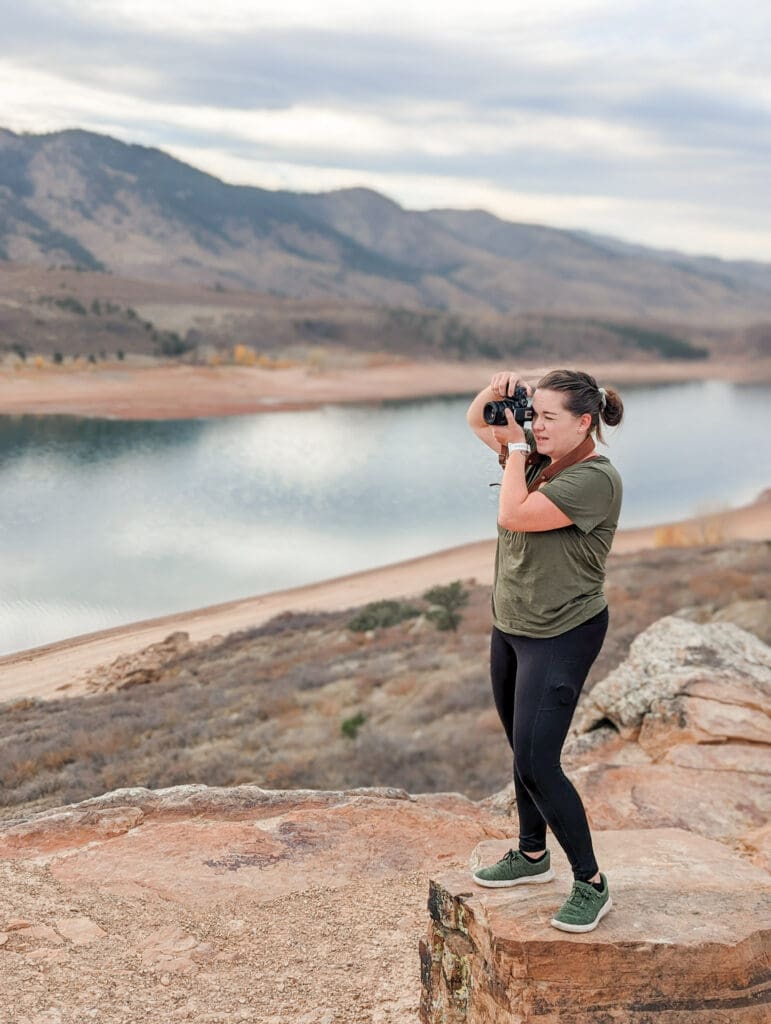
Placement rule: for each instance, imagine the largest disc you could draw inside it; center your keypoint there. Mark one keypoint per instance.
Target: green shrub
(381, 613)
(350, 726)
(446, 603)
(58, 358)
(72, 305)
(169, 343)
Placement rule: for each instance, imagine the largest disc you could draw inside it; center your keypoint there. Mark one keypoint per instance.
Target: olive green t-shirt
(549, 582)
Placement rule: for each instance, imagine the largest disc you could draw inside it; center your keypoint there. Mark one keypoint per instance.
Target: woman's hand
(503, 383)
(511, 433)
(501, 386)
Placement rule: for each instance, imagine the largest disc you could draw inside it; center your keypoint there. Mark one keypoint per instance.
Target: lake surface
(105, 522)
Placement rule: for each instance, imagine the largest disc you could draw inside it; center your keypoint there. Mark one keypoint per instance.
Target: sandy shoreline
(57, 669)
(179, 391)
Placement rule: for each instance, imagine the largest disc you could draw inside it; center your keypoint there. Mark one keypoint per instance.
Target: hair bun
(613, 410)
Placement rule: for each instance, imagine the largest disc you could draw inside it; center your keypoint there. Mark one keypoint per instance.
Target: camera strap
(579, 453)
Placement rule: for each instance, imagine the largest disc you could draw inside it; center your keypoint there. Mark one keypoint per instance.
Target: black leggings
(536, 686)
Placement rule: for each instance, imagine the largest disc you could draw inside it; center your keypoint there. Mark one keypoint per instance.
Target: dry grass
(268, 705)
(708, 530)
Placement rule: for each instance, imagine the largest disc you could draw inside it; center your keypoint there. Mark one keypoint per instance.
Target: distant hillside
(65, 314)
(80, 198)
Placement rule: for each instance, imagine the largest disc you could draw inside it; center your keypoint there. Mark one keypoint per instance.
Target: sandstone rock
(329, 887)
(79, 930)
(757, 843)
(219, 841)
(669, 660)
(138, 677)
(753, 616)
(172, 949)
(203, 953)
(730, 757)
(180, 965)
(45, 954)
(17, 923)
(57, 828)
(683, 944)
(42, 931)
(678, 735)
(139, 668)
(688, 719)
(719, 805)
(129, 806)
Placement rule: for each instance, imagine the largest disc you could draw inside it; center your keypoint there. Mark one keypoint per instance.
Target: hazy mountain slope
(78, 197)
(737, 274)
(141, 212)
(591, 268)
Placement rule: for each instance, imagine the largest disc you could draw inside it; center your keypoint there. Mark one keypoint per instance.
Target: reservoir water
(104, 522)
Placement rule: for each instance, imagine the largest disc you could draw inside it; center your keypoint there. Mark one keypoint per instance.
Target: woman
(558, 511)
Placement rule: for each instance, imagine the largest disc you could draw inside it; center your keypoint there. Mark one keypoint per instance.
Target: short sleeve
(585, 494)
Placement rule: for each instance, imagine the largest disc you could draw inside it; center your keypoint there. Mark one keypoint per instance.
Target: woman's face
(557, 431)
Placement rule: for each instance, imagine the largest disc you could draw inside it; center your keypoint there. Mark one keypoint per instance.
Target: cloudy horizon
(645, 121)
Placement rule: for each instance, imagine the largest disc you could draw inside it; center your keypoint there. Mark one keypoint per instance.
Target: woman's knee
(537, 769)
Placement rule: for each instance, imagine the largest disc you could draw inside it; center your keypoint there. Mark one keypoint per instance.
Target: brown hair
(583, 395)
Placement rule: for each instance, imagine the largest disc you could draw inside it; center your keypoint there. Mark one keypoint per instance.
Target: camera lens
(490, 412)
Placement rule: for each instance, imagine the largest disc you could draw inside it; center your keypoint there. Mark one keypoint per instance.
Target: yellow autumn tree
(244, 355)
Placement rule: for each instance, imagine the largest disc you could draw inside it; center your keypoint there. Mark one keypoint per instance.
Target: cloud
(628, 106)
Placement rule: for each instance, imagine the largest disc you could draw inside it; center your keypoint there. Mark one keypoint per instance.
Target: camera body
(494, 413)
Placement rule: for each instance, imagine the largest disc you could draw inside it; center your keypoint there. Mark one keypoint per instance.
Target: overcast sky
(649, 120)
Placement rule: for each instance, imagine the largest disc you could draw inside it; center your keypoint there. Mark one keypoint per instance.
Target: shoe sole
(563, 927)
(546, 876)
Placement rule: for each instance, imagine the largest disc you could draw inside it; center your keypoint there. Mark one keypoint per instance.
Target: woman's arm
(518, 510)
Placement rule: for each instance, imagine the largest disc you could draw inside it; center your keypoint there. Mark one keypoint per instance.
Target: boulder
(685, 942)
(674, 662)
(753, 615)
(678, 735)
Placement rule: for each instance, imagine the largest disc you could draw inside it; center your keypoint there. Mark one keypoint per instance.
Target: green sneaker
(584, 908)
(514, 869)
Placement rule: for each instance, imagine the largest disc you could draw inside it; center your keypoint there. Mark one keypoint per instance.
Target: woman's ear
(585, 423)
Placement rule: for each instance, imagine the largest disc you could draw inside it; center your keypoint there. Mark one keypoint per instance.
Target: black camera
(494, 413)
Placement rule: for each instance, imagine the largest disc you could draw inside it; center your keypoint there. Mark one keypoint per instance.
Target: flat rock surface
(668, 886)
(684, 939)
(239, 904)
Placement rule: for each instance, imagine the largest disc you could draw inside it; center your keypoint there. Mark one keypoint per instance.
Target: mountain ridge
(86, 198)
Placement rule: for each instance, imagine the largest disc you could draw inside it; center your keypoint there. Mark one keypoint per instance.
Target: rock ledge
(683, 944)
